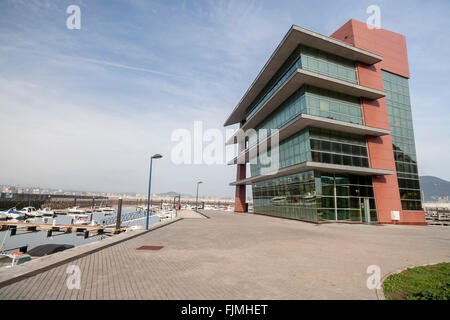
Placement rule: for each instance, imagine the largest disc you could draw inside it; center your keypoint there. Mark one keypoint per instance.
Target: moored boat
(76, 210)
(46, 212)
(47, 249)
(106, 209)
(79, 219)
(12, 259)
(31, 212)
(14, 214)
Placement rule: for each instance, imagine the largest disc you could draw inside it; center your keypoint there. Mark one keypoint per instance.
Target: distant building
(342, 107)
(9, 189)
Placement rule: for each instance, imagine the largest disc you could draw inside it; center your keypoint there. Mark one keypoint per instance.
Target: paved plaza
(233, 256)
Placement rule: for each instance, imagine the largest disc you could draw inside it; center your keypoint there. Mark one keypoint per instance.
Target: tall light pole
(196, 198)
(155, 156)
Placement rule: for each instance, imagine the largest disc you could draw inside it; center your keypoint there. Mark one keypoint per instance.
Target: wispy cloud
(117, 65)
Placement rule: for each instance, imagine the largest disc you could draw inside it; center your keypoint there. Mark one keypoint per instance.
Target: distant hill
(434, 188)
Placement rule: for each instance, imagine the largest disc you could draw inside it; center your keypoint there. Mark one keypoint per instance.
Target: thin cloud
(123, 66)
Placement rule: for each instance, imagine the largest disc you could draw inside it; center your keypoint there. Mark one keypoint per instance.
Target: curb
(380, 292)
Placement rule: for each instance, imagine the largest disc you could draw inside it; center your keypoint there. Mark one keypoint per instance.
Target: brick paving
(240, 256)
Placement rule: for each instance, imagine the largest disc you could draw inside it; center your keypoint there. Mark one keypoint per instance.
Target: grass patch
(419, 283)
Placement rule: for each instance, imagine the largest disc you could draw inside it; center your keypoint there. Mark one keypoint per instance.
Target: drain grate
(150, 248)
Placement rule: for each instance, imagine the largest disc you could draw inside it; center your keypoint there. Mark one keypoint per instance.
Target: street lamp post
(196, 198)
(156, 156)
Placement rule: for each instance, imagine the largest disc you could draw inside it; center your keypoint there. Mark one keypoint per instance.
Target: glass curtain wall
(318, 145)
(309, 59)
(315, 196)
(314, 101)
(328, 64)
(292, 196)
(340, 197)
(400, 121)
(338, 148)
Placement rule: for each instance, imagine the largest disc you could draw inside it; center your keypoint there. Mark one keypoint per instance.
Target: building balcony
(299, 123)
(303, 77)
(308, 166)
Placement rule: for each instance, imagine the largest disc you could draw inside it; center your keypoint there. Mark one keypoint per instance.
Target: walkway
(238, 256)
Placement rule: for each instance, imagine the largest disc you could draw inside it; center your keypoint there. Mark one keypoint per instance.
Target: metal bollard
(119, 215)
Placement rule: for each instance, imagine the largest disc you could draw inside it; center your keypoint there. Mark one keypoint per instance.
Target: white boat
(76, 210)
(3, 215)
(165, 214)
(106, 209)
(13, 259)
(80, 218)
(31, 212)
(14, 214)
(46, 212)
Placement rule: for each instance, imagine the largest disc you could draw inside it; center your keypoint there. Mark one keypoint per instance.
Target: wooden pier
(58, 228)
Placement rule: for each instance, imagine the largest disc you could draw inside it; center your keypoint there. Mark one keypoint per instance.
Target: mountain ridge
(434, 189)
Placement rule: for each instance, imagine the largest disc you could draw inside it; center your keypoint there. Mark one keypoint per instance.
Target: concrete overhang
(306, 120)
(301, 77)
(295, 36)
(308, 166)
(304, 77)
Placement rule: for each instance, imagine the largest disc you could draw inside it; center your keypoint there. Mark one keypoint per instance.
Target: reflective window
(292, 196)
(314, 101)
(400, 121)
(312, 60)
(328, 64)
(315, 196)
(338, 148)
(318, 145)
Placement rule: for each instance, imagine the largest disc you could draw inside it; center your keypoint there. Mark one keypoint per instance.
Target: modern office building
(346, 148)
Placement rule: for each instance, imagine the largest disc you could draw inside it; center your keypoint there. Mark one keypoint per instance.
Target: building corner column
(240, 204)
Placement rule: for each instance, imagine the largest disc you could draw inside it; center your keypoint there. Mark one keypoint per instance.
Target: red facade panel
(239, 203)
(240, 196)
(392, 47)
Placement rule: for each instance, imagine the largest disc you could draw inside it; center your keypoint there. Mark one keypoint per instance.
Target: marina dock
(52, 229)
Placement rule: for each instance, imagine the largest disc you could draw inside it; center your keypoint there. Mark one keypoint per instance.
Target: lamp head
(157, 156)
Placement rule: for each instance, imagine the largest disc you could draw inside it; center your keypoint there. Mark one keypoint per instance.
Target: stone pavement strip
(233, 256)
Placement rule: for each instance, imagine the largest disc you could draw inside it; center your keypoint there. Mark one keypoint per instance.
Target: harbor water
(33, 239)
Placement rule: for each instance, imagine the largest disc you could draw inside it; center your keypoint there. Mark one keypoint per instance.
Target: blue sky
(84, 109)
